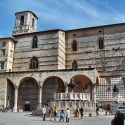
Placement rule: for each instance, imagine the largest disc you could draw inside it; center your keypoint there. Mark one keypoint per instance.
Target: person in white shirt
(44, 113)
(67, 115)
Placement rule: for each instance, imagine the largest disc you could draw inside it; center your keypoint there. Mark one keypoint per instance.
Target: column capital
(40, 84)
(16, 86)
(93, 85)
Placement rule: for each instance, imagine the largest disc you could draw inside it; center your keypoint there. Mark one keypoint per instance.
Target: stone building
(61, 67)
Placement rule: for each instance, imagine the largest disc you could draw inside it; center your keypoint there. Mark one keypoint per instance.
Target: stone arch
(52, 85)
(83, 84)
(10, 94)
(28, 94)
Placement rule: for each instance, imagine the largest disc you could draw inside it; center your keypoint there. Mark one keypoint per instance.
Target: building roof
(6, 38)
(27, 12)
(46, 31)
(94, 27)
(100, 28)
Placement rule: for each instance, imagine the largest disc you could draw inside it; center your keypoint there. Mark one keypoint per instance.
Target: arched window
(74, 45)
(35, 42)
(74, 65)
(34, 63)
(100, 43)
(22, 20)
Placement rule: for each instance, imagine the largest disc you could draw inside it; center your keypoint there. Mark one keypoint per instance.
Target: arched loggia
(83, 84)
(10, 94)
(28, 94)
(51, 86)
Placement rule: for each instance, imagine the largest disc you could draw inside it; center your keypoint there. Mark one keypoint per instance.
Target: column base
(14, 109)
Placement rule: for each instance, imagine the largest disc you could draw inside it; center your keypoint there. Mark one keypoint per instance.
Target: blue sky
(62, 14)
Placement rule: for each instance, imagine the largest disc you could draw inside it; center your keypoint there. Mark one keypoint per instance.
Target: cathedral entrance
(28, 94)
(10, 95)
(51, 86)
(27, 106)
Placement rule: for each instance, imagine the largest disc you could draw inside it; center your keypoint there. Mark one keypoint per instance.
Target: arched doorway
(10, 94)
(28, 94)
(51, 86)
(83, 85)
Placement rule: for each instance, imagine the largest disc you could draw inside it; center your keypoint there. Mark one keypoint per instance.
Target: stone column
(40, 97)
(15, 99)
(66, 87)
(5, 97)
(94, 92)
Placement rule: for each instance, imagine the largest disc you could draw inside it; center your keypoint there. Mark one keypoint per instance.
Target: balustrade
(72, 96)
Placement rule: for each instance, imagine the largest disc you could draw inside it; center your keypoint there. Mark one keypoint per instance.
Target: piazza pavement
(25, 118)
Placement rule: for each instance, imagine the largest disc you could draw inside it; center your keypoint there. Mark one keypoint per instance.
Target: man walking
(81, 112)
(44, 113)
(67, 115)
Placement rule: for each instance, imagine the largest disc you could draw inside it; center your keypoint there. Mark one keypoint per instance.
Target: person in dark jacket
(118, 120)
(81, 112)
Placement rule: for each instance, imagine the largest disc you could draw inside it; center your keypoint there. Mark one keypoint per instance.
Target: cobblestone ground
(24, 118)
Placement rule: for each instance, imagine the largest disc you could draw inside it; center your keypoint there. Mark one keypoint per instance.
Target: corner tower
(26, 22)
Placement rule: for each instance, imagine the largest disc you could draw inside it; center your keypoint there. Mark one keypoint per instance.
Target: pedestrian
(97, 109)
(77, 112)
(55, 111)
(44, 113)
(67, 115)
(62, 115)
(81, 112)
(50, 113)
(118, 120)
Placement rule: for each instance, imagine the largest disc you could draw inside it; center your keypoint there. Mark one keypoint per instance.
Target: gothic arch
(74, 64)
(74, 45)
(34, 64)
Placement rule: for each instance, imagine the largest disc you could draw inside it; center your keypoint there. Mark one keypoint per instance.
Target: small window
(35, 42)
(3, 52)
(34, 63)
(33, 22)
(74, 65)
(22, 20)
(101, 43)
(74, 45)
(3, 44)
(2, 65)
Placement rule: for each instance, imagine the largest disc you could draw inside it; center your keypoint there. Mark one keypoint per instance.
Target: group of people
(52, 114)
(3, 109)
(78, 112)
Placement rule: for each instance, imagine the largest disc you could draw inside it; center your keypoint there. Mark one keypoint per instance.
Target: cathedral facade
(61, 67)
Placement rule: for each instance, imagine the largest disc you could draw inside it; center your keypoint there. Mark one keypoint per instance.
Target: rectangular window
(3, 51)
(3, 44)
(2, 65)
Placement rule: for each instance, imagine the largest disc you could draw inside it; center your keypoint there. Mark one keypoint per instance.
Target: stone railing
(72, 96)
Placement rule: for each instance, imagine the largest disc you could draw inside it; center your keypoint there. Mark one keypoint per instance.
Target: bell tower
(26, 22)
